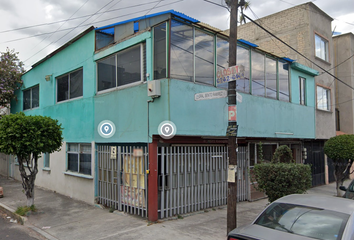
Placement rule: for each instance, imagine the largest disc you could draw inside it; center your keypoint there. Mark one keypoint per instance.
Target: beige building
(307, 29)
(343, 46)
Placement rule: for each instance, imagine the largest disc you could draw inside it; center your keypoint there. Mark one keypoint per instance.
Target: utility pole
(232, 125)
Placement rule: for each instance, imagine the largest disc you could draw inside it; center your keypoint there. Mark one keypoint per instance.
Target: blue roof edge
(247, 43)
(173, 12)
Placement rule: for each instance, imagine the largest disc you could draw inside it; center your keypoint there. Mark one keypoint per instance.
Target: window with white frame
(122, 68)
(321, 47)
(31, 98)
(46, 159)
(79, 158)
(70, 85)
(302, 88)
(323, 98)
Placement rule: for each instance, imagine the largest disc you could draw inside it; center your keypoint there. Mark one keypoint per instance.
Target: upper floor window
(302, 88)
(323, 98)
(321, 47)
(123, 68)
(31, 98)
(70, 85)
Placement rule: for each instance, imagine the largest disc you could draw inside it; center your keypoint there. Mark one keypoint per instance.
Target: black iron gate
(315, 157)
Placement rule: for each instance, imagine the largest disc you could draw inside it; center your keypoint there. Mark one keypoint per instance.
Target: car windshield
(306, 221)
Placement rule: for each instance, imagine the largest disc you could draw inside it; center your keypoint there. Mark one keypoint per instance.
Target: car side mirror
(343, 188)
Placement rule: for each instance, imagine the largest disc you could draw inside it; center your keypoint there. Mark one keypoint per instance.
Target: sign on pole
(230, 74)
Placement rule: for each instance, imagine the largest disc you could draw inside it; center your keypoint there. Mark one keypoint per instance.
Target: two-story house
(307, 29)
(113, 88)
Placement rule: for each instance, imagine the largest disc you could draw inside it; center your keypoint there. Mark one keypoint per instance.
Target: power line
(68, 32)
(71, 19)
(220, 5)
(299, 52)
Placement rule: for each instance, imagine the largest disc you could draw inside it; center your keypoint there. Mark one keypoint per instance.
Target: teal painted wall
(76, 115)
(262, 117)
(310, 88)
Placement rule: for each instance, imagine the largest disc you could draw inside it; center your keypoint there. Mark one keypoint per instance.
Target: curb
(11, 212)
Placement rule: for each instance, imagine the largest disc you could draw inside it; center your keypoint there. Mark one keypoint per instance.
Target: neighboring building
(308, 30)
(99, 84)
(343, 46)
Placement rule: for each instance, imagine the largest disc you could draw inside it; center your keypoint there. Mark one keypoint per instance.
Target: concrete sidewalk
(61, 217)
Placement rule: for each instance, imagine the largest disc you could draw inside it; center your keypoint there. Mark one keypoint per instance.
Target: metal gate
(122, 180)
(191, 178)
(243, 183)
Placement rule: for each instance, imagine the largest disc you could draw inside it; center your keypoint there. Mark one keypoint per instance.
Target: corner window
(323, 98)
(79, 158)
(160, 51)
(70, 86)
(123, 68)
(321, 45)
(31, 98)
(302, 88)
(284, 92)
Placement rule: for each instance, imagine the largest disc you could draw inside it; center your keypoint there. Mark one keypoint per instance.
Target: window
(323, 98)
(125, 67)
(302, 88)
(284, 93)
(321, 46)
(204, 57)
(160, 51)
(70, 86)
(31, 98)
(46, 159)
(79, 158)
(271, 78)
(258, 80)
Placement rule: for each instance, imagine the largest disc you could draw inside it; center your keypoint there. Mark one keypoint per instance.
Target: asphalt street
(15, 231)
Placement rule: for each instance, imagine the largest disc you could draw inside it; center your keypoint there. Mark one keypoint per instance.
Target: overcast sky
(35, 28)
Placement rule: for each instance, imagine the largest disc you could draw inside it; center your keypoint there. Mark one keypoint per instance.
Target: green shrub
(22, 211)
(281, 179)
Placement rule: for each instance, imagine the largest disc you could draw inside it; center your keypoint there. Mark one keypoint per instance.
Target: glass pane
(35, 97)
(76, 83)
(204, 57)
(46, 160)
(222, 57)
(160, 51)
(129, 66)
(106, 73)
(63, 87)
(85, 164)
(258, 84)
(73, 162)
(284, 81)
(243, 60)
(73, 147)
(85, 148)
(181, 51)
(27, 99)
(271, 78)
(302, 86)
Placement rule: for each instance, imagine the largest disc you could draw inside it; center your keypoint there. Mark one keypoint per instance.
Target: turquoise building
(115, 88)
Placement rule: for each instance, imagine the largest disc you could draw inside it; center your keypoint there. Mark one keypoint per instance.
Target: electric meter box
(153, 88)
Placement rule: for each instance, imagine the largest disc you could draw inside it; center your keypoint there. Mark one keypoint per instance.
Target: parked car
(349, 192)
(301, 216)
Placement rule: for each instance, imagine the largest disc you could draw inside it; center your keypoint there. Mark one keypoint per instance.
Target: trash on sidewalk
(13, 221)
(1, 192)
(46, 227)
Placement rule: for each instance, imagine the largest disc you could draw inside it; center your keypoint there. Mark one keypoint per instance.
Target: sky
(35, 28)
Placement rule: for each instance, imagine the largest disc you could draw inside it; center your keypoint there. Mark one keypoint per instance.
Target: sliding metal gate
(122, 180)
(191, 178)
(243, 183)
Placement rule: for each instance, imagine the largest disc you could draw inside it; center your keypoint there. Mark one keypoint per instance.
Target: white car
(301, 216)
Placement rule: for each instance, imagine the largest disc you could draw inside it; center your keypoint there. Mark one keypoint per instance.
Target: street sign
(230, 74)
(210, 95)
(232, 113)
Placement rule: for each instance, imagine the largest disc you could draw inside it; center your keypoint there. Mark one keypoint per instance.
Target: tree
(27, 137)
(244, 7)
(341, 150)
(282, 176)
(11, 70)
